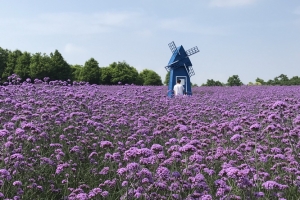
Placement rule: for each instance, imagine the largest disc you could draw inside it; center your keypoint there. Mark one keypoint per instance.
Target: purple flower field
(132, 142)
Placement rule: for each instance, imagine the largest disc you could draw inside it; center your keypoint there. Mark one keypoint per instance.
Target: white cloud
(230, 3)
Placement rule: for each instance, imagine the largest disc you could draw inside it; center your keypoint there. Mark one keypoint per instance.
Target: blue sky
(249, 38)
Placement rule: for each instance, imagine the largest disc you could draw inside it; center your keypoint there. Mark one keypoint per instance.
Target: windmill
(180, 67)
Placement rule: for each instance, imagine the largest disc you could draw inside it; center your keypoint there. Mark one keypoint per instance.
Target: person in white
(178, 88)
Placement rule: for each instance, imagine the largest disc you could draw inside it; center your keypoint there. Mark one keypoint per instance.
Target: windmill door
(183, 82)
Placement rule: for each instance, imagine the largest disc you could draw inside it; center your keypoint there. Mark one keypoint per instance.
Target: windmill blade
(172, 47)
(192, 51)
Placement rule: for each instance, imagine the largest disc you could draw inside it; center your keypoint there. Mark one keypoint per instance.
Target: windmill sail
(173, 47)
(192, 51)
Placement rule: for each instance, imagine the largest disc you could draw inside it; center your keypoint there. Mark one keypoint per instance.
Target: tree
(150, 77)
(23, 66)
(40, 66)
(234, 81)
(75, 72)
(123, 72)
(257, 83)
(3, 60)
(211, 82)
(167, 78)
(106, 75)
(259, 80)
(295, 80)
(91, 72)
(282, 79)
(60, 69)
(11, 63)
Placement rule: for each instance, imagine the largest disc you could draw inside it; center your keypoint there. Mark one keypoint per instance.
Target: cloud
(230, 3)
(68, 23)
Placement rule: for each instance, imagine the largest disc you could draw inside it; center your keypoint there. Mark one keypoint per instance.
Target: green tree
(106, 75)
(270, 82)
(3, 60)
(11, 63)
(60, 69)
(123, 72)
(234, 81)
(91, 72)
(23, 66)
(40, 66)
(75, 72)
(259, 80)
(282, 79)
(167, 78)
(150, 77)
(212, 82)
(295, 80)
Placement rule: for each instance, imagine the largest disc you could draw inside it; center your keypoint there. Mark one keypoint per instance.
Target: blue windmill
(180, 67)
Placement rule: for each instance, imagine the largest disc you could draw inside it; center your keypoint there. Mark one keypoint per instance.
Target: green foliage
(283, 79)
(150, 77)
(11, 63)
(90, 72)
(234, 81)
(295, 80)
(3, 59)
(167, 78)
(75, 72)
(40, 66)
(106, 75)
(212, 82)
(60, 69)
(259, 80)
(123, 72)
(23, 66)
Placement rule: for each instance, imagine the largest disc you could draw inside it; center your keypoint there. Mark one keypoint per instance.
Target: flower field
(131, 142)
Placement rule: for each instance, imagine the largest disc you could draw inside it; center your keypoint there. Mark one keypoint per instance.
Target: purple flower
(156, 147)
(236, 137)
(255, 127)
(82, 196)
(104, 171)
(163, 172)
(104, 144)
(4, 174)
(17, 183)
(124, 183)
(122, 171)
(279, 104)
(187, 148)
(269, 185)
(104, 193)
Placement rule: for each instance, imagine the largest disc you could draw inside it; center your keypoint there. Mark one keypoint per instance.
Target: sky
(248, 38)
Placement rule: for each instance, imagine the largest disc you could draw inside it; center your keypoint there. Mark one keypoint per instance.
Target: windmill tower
(180, 67)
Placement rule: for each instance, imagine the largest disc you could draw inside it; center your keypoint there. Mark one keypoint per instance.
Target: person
(178, 88)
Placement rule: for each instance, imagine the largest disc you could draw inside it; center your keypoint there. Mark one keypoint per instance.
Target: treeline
(54, 66)
(235, 81)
